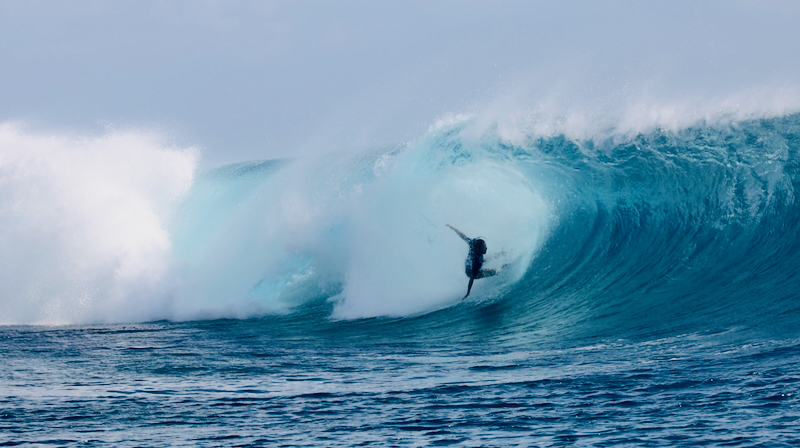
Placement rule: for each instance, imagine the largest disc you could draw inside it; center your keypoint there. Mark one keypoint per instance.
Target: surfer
(475, 259)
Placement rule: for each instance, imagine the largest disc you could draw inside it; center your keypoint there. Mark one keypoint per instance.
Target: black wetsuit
(473, 266)
(474, 261)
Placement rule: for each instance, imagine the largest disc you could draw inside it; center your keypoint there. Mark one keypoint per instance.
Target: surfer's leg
(469, 288)
(487, 273)
(490, 272)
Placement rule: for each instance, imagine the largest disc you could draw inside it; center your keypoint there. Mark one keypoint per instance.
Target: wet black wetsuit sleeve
(463, 237)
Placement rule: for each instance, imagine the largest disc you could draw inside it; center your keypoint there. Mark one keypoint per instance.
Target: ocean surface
(649, 296)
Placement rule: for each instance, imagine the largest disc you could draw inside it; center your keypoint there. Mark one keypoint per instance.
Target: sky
(251, 80)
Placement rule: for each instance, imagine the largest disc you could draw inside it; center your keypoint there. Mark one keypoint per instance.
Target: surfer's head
(480, 246)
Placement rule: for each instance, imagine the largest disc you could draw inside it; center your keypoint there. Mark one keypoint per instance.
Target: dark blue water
(244, 383)
(651, 299)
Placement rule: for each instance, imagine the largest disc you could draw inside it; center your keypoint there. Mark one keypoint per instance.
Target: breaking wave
(664, 229)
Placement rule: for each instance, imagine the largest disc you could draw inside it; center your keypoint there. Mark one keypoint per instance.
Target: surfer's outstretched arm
(463, 237)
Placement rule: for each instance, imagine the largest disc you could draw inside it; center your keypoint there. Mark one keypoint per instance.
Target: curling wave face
(668, 232)
(664, 231)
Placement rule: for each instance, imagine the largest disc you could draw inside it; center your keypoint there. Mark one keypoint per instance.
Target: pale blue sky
(253, 80)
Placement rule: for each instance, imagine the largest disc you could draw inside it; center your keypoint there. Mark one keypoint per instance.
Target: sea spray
(83, 225)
